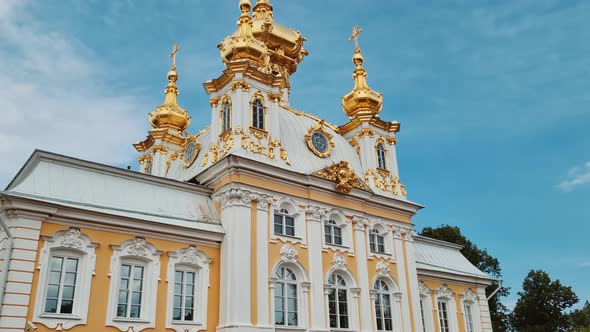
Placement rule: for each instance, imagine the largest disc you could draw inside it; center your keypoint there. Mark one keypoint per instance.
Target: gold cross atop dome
(175, 49)
(356, 31)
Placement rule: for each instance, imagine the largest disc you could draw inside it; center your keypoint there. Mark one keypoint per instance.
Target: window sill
(291, 237)
(60, 316)
(131, 320)
(181, 322)
(289, 328)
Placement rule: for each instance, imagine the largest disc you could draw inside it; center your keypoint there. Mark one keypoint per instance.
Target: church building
(269, 219)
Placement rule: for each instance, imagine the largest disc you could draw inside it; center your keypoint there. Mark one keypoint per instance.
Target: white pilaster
(262, 217)
(401, 270)
(319, 300)
(484, 310)
(235, 271)
(360, 225)
(413, 273)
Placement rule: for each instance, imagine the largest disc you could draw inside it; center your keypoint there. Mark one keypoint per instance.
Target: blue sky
(492, 97)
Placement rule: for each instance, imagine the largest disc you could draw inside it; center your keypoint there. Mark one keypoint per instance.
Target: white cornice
(238, 165)
(440, 243)
(454, 278)
(182, 231)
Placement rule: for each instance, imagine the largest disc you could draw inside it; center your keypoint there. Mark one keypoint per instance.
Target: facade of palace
(269, 219)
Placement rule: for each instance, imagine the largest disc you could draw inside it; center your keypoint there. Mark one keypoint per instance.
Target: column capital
(315, 213)
(243, 197)
(360, 223)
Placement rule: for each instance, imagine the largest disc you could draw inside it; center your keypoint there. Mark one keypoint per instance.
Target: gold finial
(356, 31)
(175, 49)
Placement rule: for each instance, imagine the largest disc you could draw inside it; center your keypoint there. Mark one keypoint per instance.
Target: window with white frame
(284, 223)
(338, 302)
(332, 233)
(188, 282)
(258, 114)
(469, 321)
(426, 308)
(382, 164)
(66, 264)
(443, 315)
(376, 241)
(226, 117)
(135, 270)
(383, 306)
(285, 298)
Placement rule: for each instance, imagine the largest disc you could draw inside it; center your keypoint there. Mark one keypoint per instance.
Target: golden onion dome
(242, 45)
(362, 102)
(285, 45)
(169, 115)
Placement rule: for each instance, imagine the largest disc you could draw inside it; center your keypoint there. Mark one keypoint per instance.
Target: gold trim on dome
(172, 157)
(240, 84)
(319, 127)
(391, 140)
(366, 132)
(307, 115)
(344, 177)
(355, 144)
(190, 139)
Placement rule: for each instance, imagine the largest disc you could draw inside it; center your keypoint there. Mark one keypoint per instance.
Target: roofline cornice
(238, 165)
(440, 243)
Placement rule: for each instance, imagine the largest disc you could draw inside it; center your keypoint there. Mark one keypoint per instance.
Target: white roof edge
(39, 155)
(441, 243)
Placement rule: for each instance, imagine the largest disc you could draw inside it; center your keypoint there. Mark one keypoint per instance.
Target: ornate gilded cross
(175, 49)
(355, 36)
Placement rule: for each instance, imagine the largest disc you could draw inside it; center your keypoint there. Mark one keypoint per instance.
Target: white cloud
(576, 176)
(53, 97)
(584, 264)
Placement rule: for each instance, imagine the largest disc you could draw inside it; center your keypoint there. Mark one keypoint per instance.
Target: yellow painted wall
(101, 282)
(274, 254)
(457, 291)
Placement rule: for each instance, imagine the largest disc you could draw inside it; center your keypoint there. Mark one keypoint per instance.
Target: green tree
(541, 305)
(483, 261)
(580, 319)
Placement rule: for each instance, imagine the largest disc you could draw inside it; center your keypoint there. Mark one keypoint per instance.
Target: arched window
(226, 117)
(470, 310)
(285, 293)
(469, 321)
(447, 314)
(426, 308)
(258, 114)
(332, 233)
(383, 311)
(381, 156)
(338, 302)
(376, 241)
(284, 223)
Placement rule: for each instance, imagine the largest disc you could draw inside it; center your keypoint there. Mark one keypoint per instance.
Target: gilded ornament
(319, 140)
(284, 157)
(214, 102)
(172, 157)
(391, 140)
(343, 176)
(402, 188)
(240, 84)
(366, 132)
(205, 159)
(160, 148)
(355, 144)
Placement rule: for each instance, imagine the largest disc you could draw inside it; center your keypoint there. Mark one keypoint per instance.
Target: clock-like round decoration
(319, 140)
(191, 151)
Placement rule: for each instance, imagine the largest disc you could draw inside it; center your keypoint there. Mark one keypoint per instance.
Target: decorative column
(401, 277)
(413, 277)
(355, 309)
(360, 225)
(262, 219)
(235, 297)
(319, 297)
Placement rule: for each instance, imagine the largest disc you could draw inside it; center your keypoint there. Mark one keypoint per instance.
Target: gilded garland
(319, 140)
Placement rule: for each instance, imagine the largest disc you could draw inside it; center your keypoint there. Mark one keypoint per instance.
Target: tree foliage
(542, 303)
(483, 261)
(579, 319)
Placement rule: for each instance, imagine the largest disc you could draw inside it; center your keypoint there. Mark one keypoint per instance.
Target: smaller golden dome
(362, 102)
(169, 115)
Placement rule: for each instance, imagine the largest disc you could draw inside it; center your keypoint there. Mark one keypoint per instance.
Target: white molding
(444, 293)
(133, 250)
(426, 298)
(303, 286)
(470, 298)
(299, 216)
(72, 243)
(197, 261)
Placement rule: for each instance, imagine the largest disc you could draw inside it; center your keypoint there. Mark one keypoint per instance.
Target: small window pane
(188, 314)
(135, 311)
(176, 315)
(54, 277)
(52, 291)
(125, 271)
(68, 292)
(66, 306)
(51, 306)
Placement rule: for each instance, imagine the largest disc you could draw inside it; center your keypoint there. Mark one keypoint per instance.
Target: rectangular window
(289, 226)
(328, 233)
(443, 316)
(469, 318)
(338, 236)
(184, 296)
(380, 244)
(61, 285)
(130, 291)
(278, 224)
